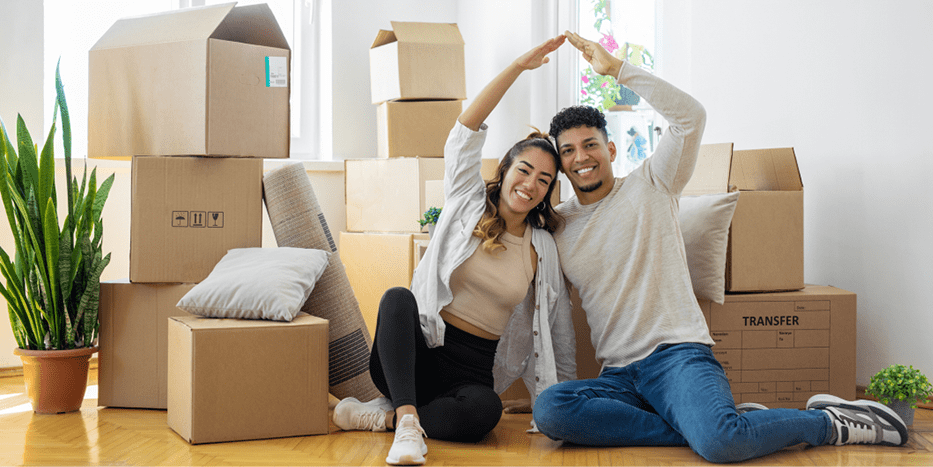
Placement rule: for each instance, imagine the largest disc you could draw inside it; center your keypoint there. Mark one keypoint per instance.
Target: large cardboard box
(133, 358)
(765, 251)
(781, 348)
(201, 81)
(188, 211)
(388, 195)
(234, 380)
(415, 128)
(417, 61)
(376, 262)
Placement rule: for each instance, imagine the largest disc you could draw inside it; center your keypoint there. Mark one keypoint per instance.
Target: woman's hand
(538, 55)
(602, 61)
(489, 97)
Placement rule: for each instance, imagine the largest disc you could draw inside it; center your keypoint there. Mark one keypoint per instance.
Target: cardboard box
(188, 211)
(417, 61)
(234, 380)
(376, 262)
(765, 251)
(781, 348)
(388, 195)
(133, 358)
(212, 81)
(415, 128)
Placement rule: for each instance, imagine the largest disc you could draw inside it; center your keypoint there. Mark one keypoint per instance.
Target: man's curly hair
(577, 116)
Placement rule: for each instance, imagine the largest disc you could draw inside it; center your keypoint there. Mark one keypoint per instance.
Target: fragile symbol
(215, 220)
(179, 218)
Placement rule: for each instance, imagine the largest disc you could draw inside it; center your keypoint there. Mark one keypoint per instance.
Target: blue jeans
(677, 396)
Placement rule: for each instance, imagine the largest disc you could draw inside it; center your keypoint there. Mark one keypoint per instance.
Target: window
(302, 22)
(625, 28)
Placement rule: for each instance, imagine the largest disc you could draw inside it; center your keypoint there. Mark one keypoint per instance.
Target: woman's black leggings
(451, 385)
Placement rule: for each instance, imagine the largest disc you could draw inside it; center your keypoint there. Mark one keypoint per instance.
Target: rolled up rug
(297, 221)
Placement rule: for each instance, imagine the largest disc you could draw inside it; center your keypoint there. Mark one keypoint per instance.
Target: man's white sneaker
(409, 447)
(860, 421)
(746, 407)
(351, 414)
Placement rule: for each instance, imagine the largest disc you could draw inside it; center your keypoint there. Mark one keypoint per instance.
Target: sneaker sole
(821, 401)
(405, 460)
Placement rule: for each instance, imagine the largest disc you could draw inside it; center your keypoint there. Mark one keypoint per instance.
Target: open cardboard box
(210, 81)
(765, 251)
(417, 61)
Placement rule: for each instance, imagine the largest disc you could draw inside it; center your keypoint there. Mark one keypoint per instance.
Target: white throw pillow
(257, 283)
(705, 221)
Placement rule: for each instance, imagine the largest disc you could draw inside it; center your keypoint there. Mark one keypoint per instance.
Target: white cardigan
(538, 343)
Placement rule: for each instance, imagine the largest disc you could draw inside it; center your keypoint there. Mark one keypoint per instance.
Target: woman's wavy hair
(491, 226)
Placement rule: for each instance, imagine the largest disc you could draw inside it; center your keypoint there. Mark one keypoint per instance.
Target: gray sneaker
(746, 407)
(860, 421)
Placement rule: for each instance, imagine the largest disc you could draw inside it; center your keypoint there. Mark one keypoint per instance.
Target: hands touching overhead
(602, 61)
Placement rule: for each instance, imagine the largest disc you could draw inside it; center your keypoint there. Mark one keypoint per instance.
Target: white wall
(21, 63)
(847, 84)
(355, 24)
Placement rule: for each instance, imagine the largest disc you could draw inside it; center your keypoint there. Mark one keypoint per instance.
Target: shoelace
(368, 420)
(857, 432)
(412, 433)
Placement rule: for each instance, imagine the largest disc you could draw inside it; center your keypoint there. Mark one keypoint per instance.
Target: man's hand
(602, 61)
(538, 55)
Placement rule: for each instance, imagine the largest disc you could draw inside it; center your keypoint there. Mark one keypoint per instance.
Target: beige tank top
(487, 286)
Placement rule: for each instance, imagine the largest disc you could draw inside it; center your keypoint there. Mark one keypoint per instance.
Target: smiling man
(622, 249)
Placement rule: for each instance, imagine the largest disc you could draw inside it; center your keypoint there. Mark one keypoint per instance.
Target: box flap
(711, 174)
(383, 37)
(430, 33)
(171, 26)
(766, 170)
(252, 24)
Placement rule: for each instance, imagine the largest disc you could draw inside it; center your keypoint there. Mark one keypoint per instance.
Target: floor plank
(105, 436)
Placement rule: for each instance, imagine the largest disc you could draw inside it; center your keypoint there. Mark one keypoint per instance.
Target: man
(623, 250)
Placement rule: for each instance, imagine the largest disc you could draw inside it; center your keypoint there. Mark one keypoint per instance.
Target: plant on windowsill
(901, 388)
(430, 218)
(603, 91)
(52, 281)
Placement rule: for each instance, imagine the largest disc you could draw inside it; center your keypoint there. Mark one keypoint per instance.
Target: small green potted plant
(52, 280)
(901, 388)
(430, 218)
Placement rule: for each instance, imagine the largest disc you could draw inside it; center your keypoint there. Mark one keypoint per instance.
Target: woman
(483, 298)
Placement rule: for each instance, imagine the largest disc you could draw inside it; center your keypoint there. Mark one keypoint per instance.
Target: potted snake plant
(52, 279)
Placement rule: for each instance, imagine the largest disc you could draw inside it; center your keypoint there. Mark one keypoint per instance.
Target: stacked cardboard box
(418, 84)
(196, 98)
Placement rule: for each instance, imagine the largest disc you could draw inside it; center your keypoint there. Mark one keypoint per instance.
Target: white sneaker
(860, 421)
(408, 447)
(351, 414)
(746, 407)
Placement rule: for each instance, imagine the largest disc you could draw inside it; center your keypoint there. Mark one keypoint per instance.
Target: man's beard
(591, 188)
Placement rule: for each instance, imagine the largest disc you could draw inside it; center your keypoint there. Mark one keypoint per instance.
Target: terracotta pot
(55, 379)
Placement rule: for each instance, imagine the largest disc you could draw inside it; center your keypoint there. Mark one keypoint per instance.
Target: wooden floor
(104, 436)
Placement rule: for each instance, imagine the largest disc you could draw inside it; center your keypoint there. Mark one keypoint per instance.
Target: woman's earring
(541, 206)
